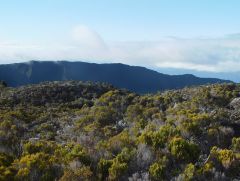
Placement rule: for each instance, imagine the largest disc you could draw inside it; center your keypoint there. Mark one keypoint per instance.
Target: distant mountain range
(134, 78)
(233, 76)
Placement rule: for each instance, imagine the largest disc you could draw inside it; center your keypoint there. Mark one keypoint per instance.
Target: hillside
(137, 79)
(92, 131)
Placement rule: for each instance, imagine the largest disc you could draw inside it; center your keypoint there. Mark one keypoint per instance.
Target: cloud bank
(219, 54)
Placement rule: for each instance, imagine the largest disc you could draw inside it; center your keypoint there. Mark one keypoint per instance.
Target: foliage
(39, 166)
(82, 173)
(93, 131)
(103, 168)
(158, 169)
(236, 144)
(182, 150)
(120, 164)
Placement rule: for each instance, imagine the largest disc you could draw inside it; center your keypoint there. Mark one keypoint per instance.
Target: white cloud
(86, 38)
(210, 55)
(203, 54)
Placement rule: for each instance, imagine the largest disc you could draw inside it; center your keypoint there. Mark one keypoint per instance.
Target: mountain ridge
(135, 78)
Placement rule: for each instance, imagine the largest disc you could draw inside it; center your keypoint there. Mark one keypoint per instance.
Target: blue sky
(121, 20)
(201, 35)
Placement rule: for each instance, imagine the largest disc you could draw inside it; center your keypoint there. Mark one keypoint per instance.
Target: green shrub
(103, 168)
(158, 169)
(189, 172)
(183, 151)
(236, 144)
(120, 164)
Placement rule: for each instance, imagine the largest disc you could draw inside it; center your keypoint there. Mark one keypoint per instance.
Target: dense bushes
(84, 131)
(159, 139)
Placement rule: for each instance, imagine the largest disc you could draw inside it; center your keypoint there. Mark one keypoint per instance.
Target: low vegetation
(92, 131)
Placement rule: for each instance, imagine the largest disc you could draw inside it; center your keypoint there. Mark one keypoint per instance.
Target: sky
(194, 35)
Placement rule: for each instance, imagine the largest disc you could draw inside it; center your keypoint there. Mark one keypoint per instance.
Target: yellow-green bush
(158, 169)
(183, 150)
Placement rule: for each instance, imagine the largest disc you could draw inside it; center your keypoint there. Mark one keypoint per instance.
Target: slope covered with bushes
(92, 131)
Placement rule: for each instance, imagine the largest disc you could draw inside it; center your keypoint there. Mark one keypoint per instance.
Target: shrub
(82, 173)
(183, 151)
(236, 144)
(39, 146)
(39, 166)
(158, 139)
(103, 168)
(189, 172)
(224, 156)
(120, 164)
(158, 169)
(78, 152)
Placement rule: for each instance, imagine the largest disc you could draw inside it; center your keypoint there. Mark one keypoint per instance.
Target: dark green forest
(72, 131)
